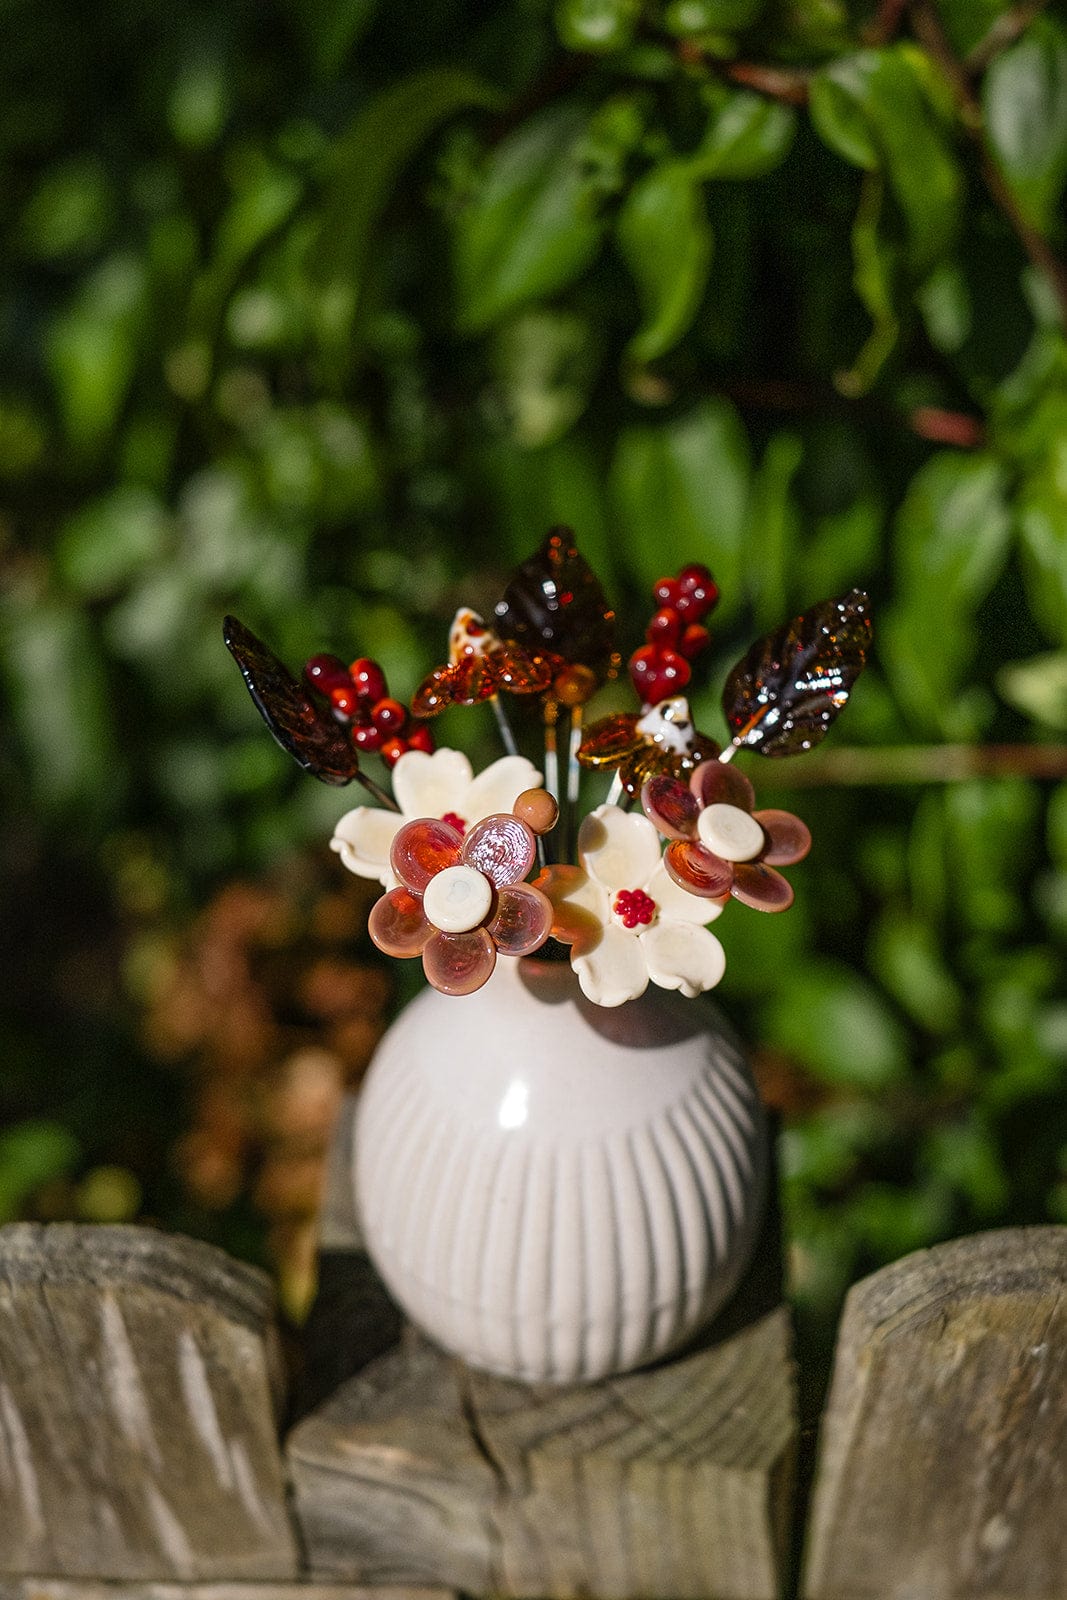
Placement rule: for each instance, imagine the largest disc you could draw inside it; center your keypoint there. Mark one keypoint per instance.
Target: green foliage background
(322, 311)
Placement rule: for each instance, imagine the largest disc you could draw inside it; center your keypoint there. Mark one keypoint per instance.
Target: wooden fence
(149, 1444)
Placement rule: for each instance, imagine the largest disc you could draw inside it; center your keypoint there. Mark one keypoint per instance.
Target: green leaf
(772, 532)
(563, 482)
(687, 17)
(330, 28)
(1038, 687)
(1043, 533)
(364, 168)
(92, 350)
(836, 1024)
(990, 832)
(546, 363)
(70, 212)
(906, 957)
(598, 26)
(32, 1153)
(871, 108)
(1024, 96)
(680, 491)
(747, 136)
(111, 539)
(666, 242)
(532, 227)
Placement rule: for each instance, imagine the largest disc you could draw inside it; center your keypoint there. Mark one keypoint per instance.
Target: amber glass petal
(671, 807)
(554, 604)
(719, 783)
(523, 920)
(474, 678)
(423, 848)
(761, 887)
(502, 847)
(788, 839)
(698, 869)
(459, 963)
(520, 671)
(611, 740)
(433, 694)
(398, 925)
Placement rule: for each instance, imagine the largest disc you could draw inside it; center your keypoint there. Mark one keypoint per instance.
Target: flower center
(457, 899)
(730, 833)
(459, 823)
(634, 907)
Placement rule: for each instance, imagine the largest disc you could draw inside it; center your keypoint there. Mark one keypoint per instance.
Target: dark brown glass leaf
(783, 696)
(303, 728)
(554, 602)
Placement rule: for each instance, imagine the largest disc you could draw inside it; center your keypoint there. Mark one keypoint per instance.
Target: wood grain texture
(137, 1412)
(673, 1482)
(942, 1470)
(63, 1589)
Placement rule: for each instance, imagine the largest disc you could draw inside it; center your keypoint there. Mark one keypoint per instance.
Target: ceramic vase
(555, 1191)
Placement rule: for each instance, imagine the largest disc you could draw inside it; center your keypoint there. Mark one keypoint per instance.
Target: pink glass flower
(719, 845)
(460, 899)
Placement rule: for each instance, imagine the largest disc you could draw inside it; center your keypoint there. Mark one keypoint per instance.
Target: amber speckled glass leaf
(611, 740)
(554, 602)
(303, 728)
(783, 696)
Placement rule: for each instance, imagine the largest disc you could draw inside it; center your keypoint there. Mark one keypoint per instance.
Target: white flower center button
(457, 899)
(729, 832)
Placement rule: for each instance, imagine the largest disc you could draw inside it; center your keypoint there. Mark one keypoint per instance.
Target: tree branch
(931, 35)
(1004, 32)
(888, 765)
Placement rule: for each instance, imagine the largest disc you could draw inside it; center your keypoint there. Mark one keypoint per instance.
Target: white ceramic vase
(554, 1191)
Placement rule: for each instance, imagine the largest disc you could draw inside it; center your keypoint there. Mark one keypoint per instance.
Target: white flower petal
(620, 849)
(498, 787)
(675, 904)
(613, 970)
(427, 785)
(679, 955)
(363, 839)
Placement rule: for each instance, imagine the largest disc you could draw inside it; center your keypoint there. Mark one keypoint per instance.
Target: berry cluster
(634, 908)
(359, 697)
(675, 634)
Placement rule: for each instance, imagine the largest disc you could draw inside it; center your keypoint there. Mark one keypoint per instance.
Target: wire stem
(615, 792)
(503, 726)
(377, 792)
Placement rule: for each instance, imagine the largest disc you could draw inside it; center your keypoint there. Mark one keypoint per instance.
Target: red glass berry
(693, 641)
(392, 750)
(365, 736)
(326, 673)
(389, 716)
(657, 671)
(666, 591)
(421, 738)
(664, 627)
(695, 576)
(368, 678)
(699, 593)
(343, 699)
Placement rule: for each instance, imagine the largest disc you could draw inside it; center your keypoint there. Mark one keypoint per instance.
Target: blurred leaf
(1043, 532)
(965, 1155)
(874, 276)
(747, 136)
(546, 364)
(989, 835)
(199, 102)
(772, 530)
(532, 227)
(666, 242)
(58, 696)
(711, 16)
(871, 109)
(680, 490)
(597, 25)
(1038, 687)
(1024, 96)
(31, 1155)
(906, 957)
(560, 482)
(70, 211)
(111, 539)
(365, 165)
(92, 350)
(836, 1024)
(330, 28)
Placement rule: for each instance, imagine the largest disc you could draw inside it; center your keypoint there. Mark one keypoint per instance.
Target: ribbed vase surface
(554, 1191)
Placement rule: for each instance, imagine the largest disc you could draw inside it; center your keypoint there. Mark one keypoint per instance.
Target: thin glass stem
(615, 792)
(377, 792)
(504, 728)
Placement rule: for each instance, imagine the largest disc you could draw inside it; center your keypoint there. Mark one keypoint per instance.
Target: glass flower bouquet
(563, 1177)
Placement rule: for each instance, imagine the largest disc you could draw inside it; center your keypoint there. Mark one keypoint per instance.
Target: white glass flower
(441, 785)
(626, 921)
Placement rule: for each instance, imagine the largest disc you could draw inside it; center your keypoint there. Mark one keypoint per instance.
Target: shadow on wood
(137, 1420)
(942, 1467)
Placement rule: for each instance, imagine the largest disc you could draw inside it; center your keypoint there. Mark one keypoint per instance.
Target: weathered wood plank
(674, 1482)
(942, 1467)
(137, 1419)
